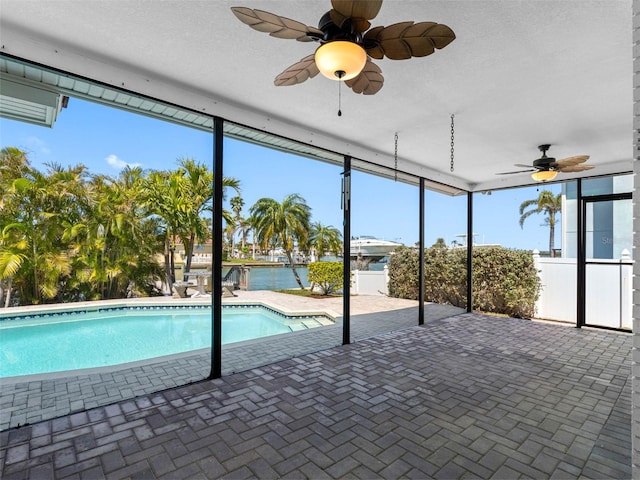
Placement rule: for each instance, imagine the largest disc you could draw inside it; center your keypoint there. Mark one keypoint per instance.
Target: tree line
(68, 235)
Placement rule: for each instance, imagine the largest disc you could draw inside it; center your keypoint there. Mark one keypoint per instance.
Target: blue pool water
(69, 341)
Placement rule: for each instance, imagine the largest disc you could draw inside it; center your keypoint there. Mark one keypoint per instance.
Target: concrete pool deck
(464, 396)
(33, 398)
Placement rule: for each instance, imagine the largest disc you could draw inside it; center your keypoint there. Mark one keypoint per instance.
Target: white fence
(559, 278)
(608, 290)
(365, 282)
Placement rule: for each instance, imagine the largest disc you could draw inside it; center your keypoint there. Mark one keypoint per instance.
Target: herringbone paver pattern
(30, 399)
(471, 396)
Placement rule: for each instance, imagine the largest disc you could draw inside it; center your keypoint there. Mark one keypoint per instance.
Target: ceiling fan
(546, 168)
(347, 44)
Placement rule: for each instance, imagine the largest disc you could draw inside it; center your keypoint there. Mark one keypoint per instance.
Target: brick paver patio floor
(469, 396)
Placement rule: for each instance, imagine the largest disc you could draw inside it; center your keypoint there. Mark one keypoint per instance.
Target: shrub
(504, 280)
(403, 273)
(326, 275)
(445, 273)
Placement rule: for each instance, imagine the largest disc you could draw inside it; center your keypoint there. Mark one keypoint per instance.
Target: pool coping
(156, 302)
(152, 307)
(98, 305)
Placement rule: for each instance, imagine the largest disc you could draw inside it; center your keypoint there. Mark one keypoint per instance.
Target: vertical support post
(469, 252)
(216, 287)
(346, 235)
(635, 250)
(581, 267)
(421, 255)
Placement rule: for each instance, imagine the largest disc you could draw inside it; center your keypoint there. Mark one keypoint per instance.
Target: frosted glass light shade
(340, 56)
(544, 175)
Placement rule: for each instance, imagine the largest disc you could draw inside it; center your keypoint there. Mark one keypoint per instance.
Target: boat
(369, 246)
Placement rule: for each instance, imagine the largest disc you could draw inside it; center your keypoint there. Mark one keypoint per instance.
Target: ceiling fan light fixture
(544, 175)
(340, 60)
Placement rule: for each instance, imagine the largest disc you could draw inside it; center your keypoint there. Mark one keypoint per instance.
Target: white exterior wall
(635, 366)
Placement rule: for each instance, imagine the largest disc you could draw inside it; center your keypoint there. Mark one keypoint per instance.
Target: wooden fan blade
(275, 25)
(523, 166)
(298, 72)
(517, 171)
(370, 80)
(573, 160)
(358, 25)
(575, 168)
(408, 39)
(365, 9)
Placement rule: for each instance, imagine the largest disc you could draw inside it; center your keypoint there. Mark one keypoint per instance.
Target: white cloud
(38, 145)
(118, 163)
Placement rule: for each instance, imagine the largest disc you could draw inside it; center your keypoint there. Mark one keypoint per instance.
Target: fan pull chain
(339, 98)
(452, 141)
(395, 156)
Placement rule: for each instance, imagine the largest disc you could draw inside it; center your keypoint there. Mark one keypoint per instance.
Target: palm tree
(229, 234)
(67, 236)
(199, 185)
(325, 238)
(36, 248)
(282, 225)
(242, 225)
(236, 203)
(180, 198)
(13, 165)
(548, 204)
(164, 199)
(122, 241)
(199, 190)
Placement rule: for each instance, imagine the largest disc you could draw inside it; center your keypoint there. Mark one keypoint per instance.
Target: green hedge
(504, 280)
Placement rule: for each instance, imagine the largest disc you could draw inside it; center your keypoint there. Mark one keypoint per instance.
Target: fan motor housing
(334, 32)
(544, 163)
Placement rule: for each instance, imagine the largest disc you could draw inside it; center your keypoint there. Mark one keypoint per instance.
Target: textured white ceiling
(519, 74)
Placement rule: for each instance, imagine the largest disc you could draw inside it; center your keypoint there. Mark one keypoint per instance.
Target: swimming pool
(71, 340)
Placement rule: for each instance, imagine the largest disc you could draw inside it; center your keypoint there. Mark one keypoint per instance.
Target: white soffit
(519, 74)
(29, 103)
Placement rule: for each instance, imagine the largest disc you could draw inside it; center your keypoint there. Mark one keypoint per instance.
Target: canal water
(281, 278)
(267, 278)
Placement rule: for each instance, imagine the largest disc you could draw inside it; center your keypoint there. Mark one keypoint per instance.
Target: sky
(107, 139)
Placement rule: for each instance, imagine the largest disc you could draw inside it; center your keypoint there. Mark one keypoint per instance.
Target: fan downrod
(544, 162)
(544, 148)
